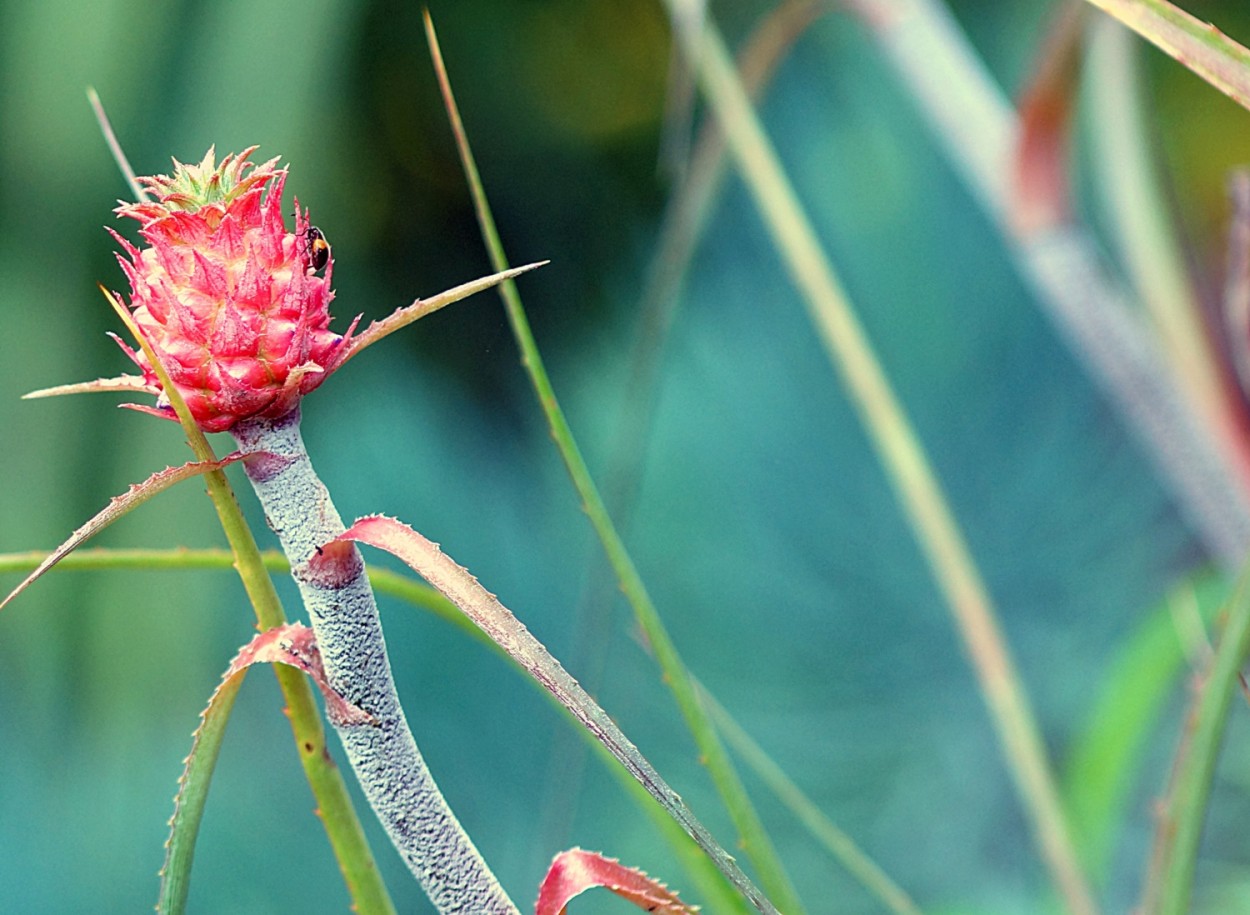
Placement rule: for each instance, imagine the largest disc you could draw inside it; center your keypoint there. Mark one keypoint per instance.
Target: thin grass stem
(833, 839)
(903, 458)
(752, 835)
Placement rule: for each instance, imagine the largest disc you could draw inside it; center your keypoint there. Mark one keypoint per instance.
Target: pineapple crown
(194, 186)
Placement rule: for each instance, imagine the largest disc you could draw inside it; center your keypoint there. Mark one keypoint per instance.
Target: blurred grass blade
(752, 835)
(685, 217)
(1236, 299)
(903, 458)
(1198, 45)
(839, 845)
(976, 126)
(1043, 191)
(119, 155)
(1143, 221)
(1107, 753)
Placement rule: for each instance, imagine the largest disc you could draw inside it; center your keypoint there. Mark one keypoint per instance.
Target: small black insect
(316, 248)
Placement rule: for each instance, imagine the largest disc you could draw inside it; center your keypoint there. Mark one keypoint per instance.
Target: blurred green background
(762, 523)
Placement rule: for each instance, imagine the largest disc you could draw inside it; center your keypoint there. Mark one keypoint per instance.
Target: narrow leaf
(421, 307)
(1046, 107)
(126, 383)
(1198, 45)
(576, 870)
(498, 622)
(119, 156)
(293, 645)
(118, 506)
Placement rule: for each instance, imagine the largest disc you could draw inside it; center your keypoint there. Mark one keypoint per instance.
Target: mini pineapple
(234, 305)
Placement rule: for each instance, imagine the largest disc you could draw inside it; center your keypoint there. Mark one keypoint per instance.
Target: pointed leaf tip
(421, 307)
(576, 870)
(128, 384)
(296, 646)
(118, 506)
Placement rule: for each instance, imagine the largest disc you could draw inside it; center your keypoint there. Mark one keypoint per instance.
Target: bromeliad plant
(230, 313)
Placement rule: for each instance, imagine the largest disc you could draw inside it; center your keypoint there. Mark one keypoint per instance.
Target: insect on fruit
(316, 248)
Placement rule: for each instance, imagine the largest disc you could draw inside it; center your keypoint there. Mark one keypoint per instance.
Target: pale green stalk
(1143, 224)
(902, 457)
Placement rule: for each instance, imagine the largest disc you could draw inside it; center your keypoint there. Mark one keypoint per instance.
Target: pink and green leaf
(293, 645)
(510, 634)
(118, 506)
(576, 870)
(402, 317)
(127, 384)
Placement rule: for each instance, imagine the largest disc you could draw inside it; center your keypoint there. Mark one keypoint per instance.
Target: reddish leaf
(295, 645)
(292, 644)
(1041, 163)
(135, 496)
(575, 871)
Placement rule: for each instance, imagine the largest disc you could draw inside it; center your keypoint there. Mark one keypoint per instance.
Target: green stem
(1180, 827)
(334, 805)
(840, 845)
(901, 454)
(752, 835)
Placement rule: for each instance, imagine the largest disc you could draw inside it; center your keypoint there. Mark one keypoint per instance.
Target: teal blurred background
(762, 523)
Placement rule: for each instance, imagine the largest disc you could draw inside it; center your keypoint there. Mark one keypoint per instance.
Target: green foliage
(763, 526)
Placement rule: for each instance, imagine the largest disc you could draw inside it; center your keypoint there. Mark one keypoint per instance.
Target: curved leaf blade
(498, 622)
(575, 871)
(293, 645)
(118, 506)
(1198, 45)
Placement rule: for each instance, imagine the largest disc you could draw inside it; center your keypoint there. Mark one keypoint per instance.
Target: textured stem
(340, 603)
